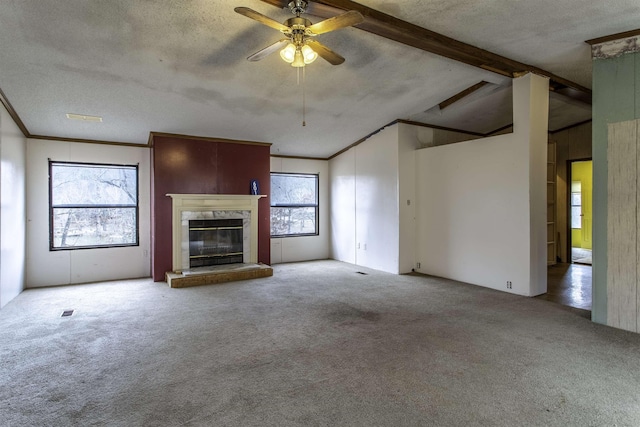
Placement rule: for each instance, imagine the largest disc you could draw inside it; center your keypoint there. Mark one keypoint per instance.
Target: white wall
(342, 176)
(50, 268)
(473, 212)
(12, 208)
(303, 248)
(368, 174)
(481, 213)
(377, 219)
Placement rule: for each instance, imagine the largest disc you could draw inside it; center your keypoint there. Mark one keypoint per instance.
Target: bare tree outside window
(294, 204)
(93, 205)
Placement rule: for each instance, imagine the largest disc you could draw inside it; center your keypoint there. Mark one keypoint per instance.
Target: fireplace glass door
(215, 242)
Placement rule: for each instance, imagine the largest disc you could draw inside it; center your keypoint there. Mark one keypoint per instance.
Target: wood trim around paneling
(500, 129)
(426, 125)
(203, 138)
(361, 140)
(347, 148)
(464, 93)
(584, 122)
(613, 37)
(16, 118)
(88, 141)
(281, 156)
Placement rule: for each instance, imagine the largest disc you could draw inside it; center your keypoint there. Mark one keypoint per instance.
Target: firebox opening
(215, 242)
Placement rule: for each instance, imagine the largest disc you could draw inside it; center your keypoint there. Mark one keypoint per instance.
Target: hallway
(570, 285)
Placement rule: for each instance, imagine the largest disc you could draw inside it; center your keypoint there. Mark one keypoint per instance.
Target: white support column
(531, 124)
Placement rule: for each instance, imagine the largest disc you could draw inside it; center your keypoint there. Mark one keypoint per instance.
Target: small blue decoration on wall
(255, 188)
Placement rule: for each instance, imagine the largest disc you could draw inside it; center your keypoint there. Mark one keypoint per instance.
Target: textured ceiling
(180, 67)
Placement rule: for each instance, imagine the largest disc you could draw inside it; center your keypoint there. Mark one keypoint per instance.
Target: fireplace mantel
(212, 202)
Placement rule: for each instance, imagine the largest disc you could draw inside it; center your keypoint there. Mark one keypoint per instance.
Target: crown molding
(13, 114)
(615, 45)
(153, 135)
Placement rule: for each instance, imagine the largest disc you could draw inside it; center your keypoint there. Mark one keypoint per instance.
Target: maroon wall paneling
(197, 166)
(239, 164)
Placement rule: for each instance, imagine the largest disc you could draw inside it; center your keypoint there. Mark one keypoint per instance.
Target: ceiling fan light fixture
(288, 54)
(308, 54)
(299, 60)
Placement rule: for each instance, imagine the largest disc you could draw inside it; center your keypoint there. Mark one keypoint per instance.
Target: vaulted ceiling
(180, 67)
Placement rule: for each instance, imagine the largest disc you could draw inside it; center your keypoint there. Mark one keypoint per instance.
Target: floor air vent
(361, 272)
(67, 313)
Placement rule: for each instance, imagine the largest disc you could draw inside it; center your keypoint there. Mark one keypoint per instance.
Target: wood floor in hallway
(570, 285)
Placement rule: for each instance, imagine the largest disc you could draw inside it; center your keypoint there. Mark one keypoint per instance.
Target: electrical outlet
(418, 265)
(509, 285)
(365, 246)
(358, 245)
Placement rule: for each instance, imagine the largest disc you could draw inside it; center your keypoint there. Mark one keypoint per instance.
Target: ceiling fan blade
(325, 53)
(280, 44)
(257, 16)
(347, 19)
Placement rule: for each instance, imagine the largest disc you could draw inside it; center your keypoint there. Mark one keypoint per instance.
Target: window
(576, 204)
(92, 205)
(294, 205)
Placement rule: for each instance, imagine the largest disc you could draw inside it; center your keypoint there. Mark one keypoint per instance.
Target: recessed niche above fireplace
(224, 228)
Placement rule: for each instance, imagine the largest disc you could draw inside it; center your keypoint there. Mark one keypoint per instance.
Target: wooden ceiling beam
(404, 32)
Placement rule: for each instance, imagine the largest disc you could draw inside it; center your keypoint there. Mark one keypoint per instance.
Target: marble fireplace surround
(212, 206)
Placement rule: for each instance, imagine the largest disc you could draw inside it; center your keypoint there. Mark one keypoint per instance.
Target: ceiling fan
(300, 48)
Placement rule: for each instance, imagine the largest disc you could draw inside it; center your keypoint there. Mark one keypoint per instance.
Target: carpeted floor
(316, 344)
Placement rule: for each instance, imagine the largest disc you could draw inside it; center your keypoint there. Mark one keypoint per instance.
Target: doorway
(570, 283)
(580, 212)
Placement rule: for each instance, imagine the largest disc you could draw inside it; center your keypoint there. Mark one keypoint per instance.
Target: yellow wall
(576, 237)
(583, 172)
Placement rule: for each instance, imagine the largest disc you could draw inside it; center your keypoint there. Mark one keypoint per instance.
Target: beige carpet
(316, 344)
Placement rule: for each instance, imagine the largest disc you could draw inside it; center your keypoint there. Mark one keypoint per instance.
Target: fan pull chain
(304, 122)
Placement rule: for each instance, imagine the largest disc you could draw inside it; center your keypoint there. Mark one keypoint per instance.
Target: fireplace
(215, 242)
(214, 229)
